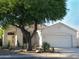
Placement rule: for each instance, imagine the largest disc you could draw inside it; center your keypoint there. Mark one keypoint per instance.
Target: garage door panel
(59, 40)
(62, 41)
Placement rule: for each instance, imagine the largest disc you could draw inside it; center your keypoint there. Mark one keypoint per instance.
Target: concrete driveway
(67, 50)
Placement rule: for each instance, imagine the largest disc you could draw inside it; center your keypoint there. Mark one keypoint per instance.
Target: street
(35, 58)
(42, 56)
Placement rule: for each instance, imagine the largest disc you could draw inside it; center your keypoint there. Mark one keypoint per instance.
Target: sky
(72, 17)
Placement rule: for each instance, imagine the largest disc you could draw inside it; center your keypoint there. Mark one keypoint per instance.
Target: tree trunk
(35, 29)
(26, 38)
(29, 42)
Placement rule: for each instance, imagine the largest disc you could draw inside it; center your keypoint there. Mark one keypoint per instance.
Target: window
(10, 33)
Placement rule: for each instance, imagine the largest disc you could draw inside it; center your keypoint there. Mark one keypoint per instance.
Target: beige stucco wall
(6, 36)
(18, 36)
(4, 41)
(78, 38)
(35, 40)
(59, 29)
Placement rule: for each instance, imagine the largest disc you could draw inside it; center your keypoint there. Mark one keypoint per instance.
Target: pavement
(67, 50)
(41, 56)
(36, 58)
(60, 53)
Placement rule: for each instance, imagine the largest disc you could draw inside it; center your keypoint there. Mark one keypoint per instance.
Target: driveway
(67, 50)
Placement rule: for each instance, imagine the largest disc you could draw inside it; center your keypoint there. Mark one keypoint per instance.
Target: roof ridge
(63, 24)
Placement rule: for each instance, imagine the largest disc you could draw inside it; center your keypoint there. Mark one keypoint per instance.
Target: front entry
(11, 40)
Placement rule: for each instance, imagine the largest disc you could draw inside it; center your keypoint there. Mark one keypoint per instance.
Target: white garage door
(59, 41)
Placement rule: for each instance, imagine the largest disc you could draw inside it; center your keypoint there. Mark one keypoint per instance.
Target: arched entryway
(11, 38)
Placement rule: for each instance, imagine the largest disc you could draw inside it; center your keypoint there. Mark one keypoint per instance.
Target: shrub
(45, 46)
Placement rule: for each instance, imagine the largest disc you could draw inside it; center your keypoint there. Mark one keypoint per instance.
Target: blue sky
(72, 17)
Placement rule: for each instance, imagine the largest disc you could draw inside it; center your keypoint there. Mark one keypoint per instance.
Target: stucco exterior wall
(6, 36)
(4, 41)
(35, 41)
(19, 37)
(78, 38)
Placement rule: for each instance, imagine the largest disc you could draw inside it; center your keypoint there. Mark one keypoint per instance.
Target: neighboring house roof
(63, 25)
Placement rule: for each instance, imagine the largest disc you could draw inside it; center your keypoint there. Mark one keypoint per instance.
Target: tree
(1, 33)
(21, 13)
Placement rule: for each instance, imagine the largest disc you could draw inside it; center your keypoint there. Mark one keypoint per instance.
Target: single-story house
(57, 35)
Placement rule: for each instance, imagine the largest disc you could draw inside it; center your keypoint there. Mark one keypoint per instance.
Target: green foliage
(45, 46)
(26, 12)
(1, 32)
(6, 6)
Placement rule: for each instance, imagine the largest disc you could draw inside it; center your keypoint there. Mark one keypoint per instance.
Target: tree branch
(35, 29)
(16, 25)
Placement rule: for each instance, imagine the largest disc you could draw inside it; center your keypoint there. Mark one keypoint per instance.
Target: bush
(45, 46)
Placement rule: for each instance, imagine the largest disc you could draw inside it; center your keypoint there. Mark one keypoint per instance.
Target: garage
(60, 36)
(60, 41)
